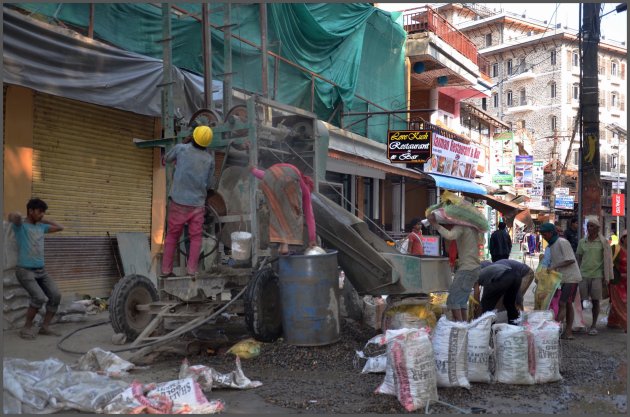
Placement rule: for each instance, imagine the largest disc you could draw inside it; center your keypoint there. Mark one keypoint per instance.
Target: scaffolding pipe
(263, 45)
(227, 70)
(207, 57)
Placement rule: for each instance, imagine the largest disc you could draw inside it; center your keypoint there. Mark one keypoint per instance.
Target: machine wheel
(127, 294)
(205, 117)
(239, 111)
(263, 313)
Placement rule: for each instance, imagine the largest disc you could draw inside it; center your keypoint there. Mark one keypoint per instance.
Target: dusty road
(325, 380)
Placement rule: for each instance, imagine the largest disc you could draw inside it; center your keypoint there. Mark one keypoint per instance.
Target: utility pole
(554, 179)
(590, 182)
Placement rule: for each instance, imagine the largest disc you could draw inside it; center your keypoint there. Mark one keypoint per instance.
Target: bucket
(309, 294)
(241, 245)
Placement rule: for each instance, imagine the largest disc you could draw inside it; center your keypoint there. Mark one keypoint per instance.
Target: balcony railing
(421, 124)
(425, 19)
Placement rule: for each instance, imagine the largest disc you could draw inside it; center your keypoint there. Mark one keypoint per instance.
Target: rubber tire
(263, 310)
(131, 290)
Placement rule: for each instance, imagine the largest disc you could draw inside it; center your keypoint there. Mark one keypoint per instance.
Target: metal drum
(309, 293)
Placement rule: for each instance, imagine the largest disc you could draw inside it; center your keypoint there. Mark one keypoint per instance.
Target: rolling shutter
(95, 181)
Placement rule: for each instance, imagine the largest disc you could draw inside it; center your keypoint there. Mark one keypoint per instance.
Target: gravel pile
(327, 379)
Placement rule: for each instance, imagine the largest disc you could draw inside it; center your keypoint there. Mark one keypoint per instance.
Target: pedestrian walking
(595, 260)
(571, 234)
(288, 194)
(562, 259)
(30, 272)
(192, 179)
(467, 269)
(500, 243)
(498, 282)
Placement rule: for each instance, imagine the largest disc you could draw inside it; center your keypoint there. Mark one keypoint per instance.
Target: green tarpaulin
(360, 48)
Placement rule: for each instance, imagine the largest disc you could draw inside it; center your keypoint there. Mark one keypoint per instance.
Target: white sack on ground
(535, 317)
(388, 385)
(208, 378)
(101, 361)
(547, 351)
(414, 369)
(377, 363)
(450, 340)
(182, 396)
(512, 354)
(478, 349)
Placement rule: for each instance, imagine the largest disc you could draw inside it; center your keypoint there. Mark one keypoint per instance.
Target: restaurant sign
(408, 146)
(453, 158)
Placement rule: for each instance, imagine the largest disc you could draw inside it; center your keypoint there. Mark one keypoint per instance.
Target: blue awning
(457, 184)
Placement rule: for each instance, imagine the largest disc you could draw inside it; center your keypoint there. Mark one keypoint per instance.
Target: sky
(613, 26)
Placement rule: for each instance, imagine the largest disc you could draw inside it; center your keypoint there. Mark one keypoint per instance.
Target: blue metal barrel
(309, 293)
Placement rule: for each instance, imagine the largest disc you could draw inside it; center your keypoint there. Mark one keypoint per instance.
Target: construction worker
(192, 179)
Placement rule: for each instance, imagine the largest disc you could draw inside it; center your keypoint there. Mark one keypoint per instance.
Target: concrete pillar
(433, 104)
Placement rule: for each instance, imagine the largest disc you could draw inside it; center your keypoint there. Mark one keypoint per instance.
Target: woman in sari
(618, 316)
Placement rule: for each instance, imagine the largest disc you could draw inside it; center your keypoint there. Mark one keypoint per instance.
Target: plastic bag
(450, 340)
(478, 349)
(403, 246)
(512, 354)
(414, 369)
(410, 316)
(101, 361)
(246, 349)
(208, 378)
(547, 282)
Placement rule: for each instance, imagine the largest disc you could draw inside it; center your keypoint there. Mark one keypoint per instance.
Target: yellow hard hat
(202, 136)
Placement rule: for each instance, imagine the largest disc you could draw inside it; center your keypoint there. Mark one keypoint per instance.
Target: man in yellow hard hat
(192, 179)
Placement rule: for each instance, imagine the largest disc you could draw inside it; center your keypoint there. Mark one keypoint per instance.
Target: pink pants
(178, 215)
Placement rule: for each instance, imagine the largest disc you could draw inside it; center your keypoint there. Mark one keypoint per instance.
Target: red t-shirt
(415, 244)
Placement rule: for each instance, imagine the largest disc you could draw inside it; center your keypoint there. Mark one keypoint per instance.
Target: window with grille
(495, 69)
(523, 97)
(576, 59)
(484, 103)
(552, 90)
(495, 100)
(576, 91)
(614, 69)
(614, 100)
(509, 66)
(509, 98)
(554, 123)
(553, 57)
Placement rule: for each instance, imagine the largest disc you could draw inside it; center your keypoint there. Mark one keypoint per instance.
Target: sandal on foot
(592, 332)
(28, 333)
(47, 332)
(567, 337)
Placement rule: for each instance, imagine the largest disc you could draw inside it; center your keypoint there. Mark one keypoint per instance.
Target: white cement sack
(478, 349)
(388, 386)
(208, 378)
(512, 354)
(536, 317)
(378, 362)
(414, 369)
(450, 340)
(104, 362)
(547, 351)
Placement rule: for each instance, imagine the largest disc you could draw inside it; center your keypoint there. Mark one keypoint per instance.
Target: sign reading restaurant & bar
(408, 146)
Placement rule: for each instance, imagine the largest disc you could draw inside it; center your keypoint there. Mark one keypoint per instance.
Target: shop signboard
(431, 245)
(618, 204)
(523, 173)
(408, 146)
(564, 202)
(537, 179)
(618, 185)
(452, 158)
(502, 158)
(561, 191)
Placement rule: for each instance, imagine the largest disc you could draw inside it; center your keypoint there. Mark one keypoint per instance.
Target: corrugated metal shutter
(95, 181)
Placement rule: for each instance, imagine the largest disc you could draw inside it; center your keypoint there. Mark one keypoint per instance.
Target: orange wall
(18, 149)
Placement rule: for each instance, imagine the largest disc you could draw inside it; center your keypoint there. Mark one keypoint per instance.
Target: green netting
(361, 49)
